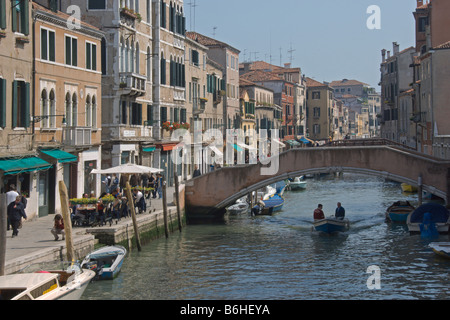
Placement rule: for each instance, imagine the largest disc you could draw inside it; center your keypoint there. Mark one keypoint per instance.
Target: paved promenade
(35, 237)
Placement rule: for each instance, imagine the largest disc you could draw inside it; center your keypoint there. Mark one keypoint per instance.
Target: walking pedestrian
(58, 227)
(159, 182)
(15, 213)
(11, 196)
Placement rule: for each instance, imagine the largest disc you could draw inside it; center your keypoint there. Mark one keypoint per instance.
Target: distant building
(319, 111)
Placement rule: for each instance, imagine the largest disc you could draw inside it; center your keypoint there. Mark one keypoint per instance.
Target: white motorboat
(297, 184)
(441, 248)
(36, 282)
(106, 261)
(241, 206)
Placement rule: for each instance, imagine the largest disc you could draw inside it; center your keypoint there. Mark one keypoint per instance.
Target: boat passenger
(318, 213)
(340, 212)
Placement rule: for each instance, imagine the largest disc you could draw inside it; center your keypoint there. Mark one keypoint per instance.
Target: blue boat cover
(439, 214)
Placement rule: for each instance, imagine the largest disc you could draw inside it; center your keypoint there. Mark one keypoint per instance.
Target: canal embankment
(35, 243)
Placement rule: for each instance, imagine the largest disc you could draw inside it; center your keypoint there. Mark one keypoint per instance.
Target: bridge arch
(209, 194)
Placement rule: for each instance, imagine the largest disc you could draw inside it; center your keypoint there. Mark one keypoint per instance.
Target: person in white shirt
(139, 201)
(11, 196)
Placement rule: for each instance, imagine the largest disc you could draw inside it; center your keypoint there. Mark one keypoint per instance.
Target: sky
(329, 39)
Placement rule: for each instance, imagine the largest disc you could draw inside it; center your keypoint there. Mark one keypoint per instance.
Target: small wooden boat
(441, 248)
(399, 211)
(331, 225)
(268, 207)
(408, 188)
(429, 213)
(46, 283)
(106, 261)
(241, 206)
(297, 184)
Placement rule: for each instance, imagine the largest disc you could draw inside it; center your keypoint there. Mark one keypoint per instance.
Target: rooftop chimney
(419, 3)
(287, 65)
(388, 54)
(396, 48)
(383, 55)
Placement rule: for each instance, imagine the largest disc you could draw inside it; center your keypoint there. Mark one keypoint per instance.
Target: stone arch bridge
(208, 194)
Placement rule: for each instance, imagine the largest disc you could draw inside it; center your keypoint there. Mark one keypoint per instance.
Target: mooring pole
(166, 227)
(420, 190)
(133, 216)
(64, 198)
(3, 227)
(177, 196)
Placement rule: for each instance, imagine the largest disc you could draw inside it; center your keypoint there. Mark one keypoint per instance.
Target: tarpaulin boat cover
(439, 214)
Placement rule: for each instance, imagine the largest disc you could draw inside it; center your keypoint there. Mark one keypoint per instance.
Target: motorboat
(269, 206)
(106, 262)
(297, 184)
(408, 188)
(241, 206)
(441, 249)
(331, 225)
(53, 281)
(429, 213)
(399, 211)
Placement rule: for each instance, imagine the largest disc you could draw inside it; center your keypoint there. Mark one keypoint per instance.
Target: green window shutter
(88, 56)
(25, 107)
(44, 44)
(74, 52)
(13, 17)
(3, 14)
(2, 103)
(68, 50)
(51, 46)
(25, 24)
(94, 57)
(14, 104)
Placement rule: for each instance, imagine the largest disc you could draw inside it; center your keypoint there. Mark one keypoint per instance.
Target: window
(316, 129)
(88, 111)
(423, 22)
(20, 20)
(136, 114)
(163, 70)
(47, 45)
(21, 104)
(91, 56)
(96, 4)
(2, 103)
(316, 112)
(3, 13)
(316, 95)
(71, 51)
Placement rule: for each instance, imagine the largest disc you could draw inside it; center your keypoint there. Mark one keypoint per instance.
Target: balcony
(199, 105)
(77, 136)
(217, 97)
(132, 84)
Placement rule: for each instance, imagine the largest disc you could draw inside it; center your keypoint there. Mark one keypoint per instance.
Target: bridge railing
(366, 142)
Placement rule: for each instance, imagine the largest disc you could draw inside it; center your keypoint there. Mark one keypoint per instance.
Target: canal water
(279, 257)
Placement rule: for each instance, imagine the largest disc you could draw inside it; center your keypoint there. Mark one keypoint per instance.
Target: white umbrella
(127, 168)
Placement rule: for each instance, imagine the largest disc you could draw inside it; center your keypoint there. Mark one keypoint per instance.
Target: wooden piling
(64, 197)
(3, 222)
(166, 227)
(133, 216)
(177, 198)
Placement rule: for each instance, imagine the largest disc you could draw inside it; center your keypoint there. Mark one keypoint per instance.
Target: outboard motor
(428, 228)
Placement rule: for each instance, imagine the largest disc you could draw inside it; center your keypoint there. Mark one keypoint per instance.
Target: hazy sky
(330, 37)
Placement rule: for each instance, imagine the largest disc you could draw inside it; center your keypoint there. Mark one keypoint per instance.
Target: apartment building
(228, 57)
(396, 77)
(268, 115)
(66, 105)
(319, 111)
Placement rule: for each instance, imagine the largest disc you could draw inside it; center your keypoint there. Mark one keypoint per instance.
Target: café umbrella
(127, 168)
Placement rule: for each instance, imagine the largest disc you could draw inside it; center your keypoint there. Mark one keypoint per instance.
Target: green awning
(149, 149)
(15, 166)
(61, 156)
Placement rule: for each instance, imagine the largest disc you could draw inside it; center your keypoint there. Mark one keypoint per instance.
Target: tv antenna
(291, 51)
(192, 4)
